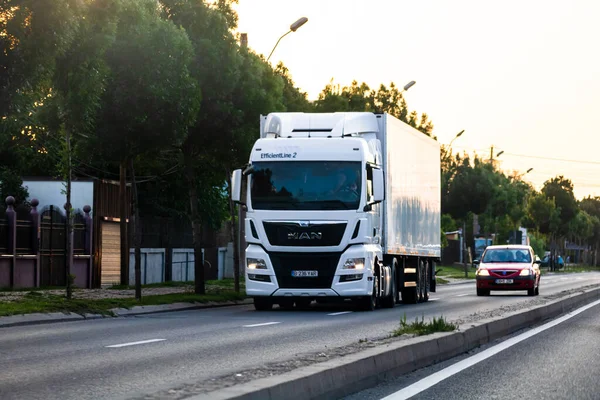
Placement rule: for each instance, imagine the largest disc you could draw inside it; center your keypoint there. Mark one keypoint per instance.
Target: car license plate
(305, 274)
(504, 281)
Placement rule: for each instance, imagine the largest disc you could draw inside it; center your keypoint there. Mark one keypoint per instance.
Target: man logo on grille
(304, 236)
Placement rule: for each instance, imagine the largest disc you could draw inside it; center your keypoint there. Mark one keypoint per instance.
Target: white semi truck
(340, 206)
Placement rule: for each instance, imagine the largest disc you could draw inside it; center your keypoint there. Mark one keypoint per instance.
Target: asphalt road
(75, 360)
(561, 362)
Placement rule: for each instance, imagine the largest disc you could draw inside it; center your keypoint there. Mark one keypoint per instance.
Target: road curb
(352, 373)
(49, 318)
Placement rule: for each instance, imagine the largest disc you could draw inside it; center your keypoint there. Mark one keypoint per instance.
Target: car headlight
(482, 272)
(525, 272)
(256, 263)
(354, 263)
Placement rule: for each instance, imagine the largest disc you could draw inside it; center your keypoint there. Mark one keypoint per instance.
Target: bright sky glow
(523, 76)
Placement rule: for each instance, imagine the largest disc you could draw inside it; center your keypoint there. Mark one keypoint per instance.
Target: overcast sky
(523, 76)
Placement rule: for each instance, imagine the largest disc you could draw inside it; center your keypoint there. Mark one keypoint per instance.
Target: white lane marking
(135, 343)
(462, 295)
(439, 376)
(263, 324)
(340, 313)
(433, 298)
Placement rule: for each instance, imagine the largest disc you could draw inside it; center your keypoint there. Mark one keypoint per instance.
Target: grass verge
(421, 327)
(455, 272)
(223, 283)
(36, 302)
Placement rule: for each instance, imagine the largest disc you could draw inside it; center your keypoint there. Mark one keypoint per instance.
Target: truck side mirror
(378, 186)
(236, 186)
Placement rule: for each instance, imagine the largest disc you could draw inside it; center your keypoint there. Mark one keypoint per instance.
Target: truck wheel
(262, 304)
(369, 303)
(390, 301)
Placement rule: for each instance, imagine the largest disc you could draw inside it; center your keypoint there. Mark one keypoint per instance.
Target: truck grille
(313, 235)
(285, 263)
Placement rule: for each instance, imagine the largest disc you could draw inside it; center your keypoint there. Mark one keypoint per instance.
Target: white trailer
(340, 206)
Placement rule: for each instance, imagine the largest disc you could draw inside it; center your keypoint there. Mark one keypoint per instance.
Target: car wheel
(531, 292)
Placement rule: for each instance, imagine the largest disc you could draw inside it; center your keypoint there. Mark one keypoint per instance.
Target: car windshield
(507, 256)
(306, 185)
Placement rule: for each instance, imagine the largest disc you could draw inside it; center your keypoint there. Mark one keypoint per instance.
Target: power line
(554, 159)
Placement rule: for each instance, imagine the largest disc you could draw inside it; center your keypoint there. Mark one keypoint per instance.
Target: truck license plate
(504, 281)
(305, 274)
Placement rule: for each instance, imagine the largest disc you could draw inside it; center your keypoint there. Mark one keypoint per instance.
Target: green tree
(561, 190)
(543, 216)
(209, 28)
(359, 97)
(150, 97)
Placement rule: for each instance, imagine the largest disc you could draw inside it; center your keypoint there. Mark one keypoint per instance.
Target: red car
(510, 267)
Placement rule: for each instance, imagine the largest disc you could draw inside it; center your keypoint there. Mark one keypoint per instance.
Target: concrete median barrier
(346, 375)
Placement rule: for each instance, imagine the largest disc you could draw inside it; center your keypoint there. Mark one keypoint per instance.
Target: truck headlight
(482, 272)
(354, 263)
(256, 263)
(525, 272)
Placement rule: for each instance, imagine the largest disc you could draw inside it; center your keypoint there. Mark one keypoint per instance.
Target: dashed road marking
(135, 343)
(340, 313)
(263, 324)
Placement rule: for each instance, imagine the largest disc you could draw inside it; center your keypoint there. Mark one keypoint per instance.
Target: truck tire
(262, 304)
(390, 301)
(369, 303)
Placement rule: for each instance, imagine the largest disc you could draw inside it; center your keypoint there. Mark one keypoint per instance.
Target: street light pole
(407, 86)
(459, 134)
(293, 28)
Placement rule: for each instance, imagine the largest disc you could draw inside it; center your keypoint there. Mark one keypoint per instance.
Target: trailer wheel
(262, 304)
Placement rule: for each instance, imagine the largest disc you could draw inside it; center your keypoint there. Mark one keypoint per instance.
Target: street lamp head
(500, 153)
(409, 85)
(459, 134)
(294, 27)
(529, 170)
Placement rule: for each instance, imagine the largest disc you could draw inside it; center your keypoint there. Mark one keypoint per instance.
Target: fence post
(35, 247)
(11, 218)
(88, 240)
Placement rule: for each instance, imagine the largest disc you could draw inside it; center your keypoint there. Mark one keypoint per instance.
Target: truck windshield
(306, 185)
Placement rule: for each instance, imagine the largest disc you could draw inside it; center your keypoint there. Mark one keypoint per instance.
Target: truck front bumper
(344, 283)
